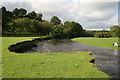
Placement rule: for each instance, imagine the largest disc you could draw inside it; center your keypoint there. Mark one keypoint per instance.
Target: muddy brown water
(106, 59)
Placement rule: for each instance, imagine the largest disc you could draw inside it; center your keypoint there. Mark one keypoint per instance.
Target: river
(106, 59)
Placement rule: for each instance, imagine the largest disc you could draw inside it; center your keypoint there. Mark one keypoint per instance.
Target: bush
(29, 26)
(102, 35)
(23, 26)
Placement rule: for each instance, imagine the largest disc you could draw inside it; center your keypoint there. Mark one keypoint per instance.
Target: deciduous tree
(55, 20)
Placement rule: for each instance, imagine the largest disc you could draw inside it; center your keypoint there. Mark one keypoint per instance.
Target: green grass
(21, 35)
(46, 65)
(98, 42)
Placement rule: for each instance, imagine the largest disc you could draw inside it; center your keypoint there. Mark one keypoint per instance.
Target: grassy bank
(22, 36)
(98, 42)
(46, 65)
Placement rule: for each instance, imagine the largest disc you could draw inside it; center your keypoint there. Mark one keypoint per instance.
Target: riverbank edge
(80, 40)
(21, 46)
(24, 45)
(18, 48)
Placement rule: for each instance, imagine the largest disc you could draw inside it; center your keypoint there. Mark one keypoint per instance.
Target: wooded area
(18, 22)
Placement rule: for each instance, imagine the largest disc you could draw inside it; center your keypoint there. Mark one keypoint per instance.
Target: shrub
(102, 35)
(23, 26)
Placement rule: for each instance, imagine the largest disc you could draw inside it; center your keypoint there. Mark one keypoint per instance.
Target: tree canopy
(22, 11)
(55, 20)
(74, 28)
(32, 15)
(19, 12)
(19, 22)
(39, 17)
(115, 31)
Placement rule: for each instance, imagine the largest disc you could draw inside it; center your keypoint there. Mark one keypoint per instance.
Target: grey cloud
(12, 5)
(93, 15)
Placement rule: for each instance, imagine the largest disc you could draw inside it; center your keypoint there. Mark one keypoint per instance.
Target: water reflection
(116, 52)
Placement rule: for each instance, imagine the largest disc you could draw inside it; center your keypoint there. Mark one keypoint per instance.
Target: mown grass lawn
(46, 65)
(98, 42)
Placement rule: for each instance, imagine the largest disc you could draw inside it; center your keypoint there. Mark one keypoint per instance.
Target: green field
(46, 65)
(98, 42)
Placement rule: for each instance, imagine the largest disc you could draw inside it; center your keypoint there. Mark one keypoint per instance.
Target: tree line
(18, 22)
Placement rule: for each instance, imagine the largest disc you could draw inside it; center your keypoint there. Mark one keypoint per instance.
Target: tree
(68, 24)
(19, 13)
(22, 12)
(23, 26)
(3, 9)
(55, 20)
(67, 32)
(39, 17)
(33, 26)
(89, 33)
(115, 31)
(20, 26)
(16, 12)
(32, 15)
(45, 27)
(7, 16)
(57, 31)
(102, 34)
(75, 29)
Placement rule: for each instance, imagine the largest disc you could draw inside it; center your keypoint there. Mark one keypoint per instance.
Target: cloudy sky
(91, 15)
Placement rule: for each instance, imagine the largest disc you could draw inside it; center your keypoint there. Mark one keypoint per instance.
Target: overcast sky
(91, 15)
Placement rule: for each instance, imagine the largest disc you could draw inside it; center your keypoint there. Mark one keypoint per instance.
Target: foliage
(102, 34)
(115, 31)
(23, 26)
(74, 29)
(89, 33)
(19, 13)
(29, 26)
(55, 20)
(32, 15)
(39, 17)
(16, 12)
(45, 27)
(18, 22)
(68, 30)
(57, 31)
(33, 26)
(7, 16)
(18, 26)
(22, 11)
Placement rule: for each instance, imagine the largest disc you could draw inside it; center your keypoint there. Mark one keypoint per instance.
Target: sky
(91, 14)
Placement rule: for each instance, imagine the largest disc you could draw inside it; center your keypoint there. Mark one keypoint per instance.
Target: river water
(106, 59)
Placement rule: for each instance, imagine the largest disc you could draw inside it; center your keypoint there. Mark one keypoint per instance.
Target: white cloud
(91, 15)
